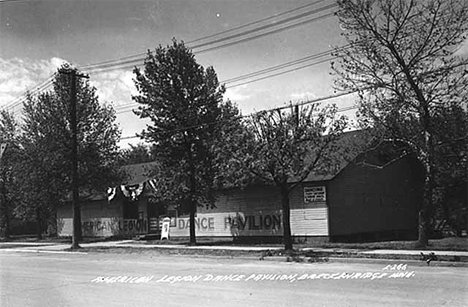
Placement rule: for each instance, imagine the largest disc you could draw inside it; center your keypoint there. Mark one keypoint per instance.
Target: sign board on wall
(313, 194)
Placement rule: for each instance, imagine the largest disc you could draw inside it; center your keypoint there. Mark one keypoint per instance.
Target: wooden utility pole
(74, 159)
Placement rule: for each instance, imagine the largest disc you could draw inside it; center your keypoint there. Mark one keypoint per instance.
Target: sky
(36, 37)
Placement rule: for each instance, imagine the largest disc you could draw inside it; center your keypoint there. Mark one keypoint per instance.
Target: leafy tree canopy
(46, 141)
(282, 148)
(184, 102)
(402, 58)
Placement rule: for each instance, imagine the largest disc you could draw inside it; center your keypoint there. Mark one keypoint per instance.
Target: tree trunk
(426, 211)
(39, 224)
(193, 209)
(7, 224)
(5, 219)
(193, 202)
(287, 238)
(77, 235)
(422, 229)
(192, 189)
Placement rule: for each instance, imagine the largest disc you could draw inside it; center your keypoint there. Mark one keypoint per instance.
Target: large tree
(451, 173)
(402, 59)
(9, 132)
(282, 148)
(184, 101)
(48, 146)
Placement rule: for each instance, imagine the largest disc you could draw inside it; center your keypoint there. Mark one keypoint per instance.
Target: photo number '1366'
(395, 267)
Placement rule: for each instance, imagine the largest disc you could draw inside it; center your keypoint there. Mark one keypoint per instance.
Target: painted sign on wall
(253, 222)
(200, 223)
(231, 224)
(114, 227)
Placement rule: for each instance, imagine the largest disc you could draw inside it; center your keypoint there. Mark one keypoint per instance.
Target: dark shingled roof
(353, 143)
(137, 173)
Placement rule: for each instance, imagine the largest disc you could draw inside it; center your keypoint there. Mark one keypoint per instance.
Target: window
(313, 194)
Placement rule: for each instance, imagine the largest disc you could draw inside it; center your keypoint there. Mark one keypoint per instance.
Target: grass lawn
(453, 244)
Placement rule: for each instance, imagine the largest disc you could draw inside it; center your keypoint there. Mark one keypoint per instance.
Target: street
(134, 279)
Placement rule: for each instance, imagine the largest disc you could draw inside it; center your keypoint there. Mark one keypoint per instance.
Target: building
(374, 196)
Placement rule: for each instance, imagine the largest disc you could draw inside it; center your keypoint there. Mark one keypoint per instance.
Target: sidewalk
(273, 253)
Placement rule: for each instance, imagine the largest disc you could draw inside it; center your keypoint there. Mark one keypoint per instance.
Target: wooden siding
(105, 227)
(102, 218)
(256, 212)
(238, 212)
(365, 199)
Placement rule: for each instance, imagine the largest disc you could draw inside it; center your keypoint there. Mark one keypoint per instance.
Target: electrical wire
(320, 99)
(129, 107)
(255, 22)
(138, 56)
(267, 33)
(130, 61)
(258, 29)
(253, 74)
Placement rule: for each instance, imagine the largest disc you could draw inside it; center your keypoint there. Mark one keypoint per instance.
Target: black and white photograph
(208, 153)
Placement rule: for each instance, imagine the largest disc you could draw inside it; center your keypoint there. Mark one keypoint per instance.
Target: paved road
(98, 279)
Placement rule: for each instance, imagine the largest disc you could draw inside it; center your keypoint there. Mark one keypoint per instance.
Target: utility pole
(74, 157)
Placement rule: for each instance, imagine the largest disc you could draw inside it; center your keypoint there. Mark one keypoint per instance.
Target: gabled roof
(137, 173)
(352, 143)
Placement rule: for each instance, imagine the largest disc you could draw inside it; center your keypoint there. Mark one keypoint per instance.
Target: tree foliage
(184, 102)
(9, 131)
(402, 59)
(282, 148)
(47, 146)
(140, 153)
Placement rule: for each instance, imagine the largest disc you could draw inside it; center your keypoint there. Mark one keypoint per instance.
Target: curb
(259, 255)
(364, 260)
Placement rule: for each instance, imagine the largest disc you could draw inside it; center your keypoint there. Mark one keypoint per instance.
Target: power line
(255, 22)
(276, 67)
(6, 1)
(267, 33)
(37, 88)
(292, 18)
(281, 73)
(243, 77)
(129, 107)
(121, 108)
(130, 61)
(138, 56)
(320, 99)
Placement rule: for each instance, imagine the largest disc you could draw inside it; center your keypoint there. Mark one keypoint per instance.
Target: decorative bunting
(111, 193)
(2, 149)
(152, 184)
(133, 191)
(124, 190)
